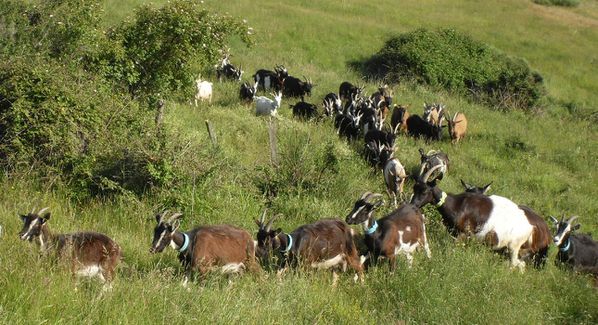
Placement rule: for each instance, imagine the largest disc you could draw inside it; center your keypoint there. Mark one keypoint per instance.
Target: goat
(294, 87)
(246, 93)
(431, 159)
(266, 79)
(381, 137)
(206, 248)
(370, 120)
(400, 232)
(204, 90)
(347, 125)
(394, 174)
(347, 91)
(493, 219)
(324, 244)
(383, 99)
(398, 119)
(228, 71)
(266, 106)
(535, 250)
(418, 127)
(332, 104)
(457, 127)
(433, 114)
(578, 251)
(305, 110)
(89, 253)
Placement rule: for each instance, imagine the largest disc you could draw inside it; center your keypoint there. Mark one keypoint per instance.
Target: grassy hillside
(546, 161)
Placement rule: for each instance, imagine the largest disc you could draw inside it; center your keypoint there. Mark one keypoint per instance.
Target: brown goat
(457, 127)
(205, 248)
(402, 231)
(398, 119)
(89, 253)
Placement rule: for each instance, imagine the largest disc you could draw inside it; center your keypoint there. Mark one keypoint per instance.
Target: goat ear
(554, 220)
(23, 218)
(45, 217)
(486, 188)
(576, 227)
(277, 231)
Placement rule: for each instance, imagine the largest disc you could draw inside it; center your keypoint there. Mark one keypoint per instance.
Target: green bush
(564, 3)
(454, 61)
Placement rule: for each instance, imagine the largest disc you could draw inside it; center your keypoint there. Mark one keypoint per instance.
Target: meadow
(546, 160)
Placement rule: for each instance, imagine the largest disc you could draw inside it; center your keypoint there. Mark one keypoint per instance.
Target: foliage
(454, 61)
(564, 3)
(160, 51)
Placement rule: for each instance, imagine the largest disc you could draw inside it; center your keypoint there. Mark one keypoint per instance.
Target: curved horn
(40, 212)
(368, 196)
(570, 221)
(175, 216)
(162, 215)
(429, 172)
(271, 221)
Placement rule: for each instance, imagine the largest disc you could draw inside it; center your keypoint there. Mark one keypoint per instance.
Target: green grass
(546, 161)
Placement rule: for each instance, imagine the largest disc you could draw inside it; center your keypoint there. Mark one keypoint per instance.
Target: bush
(447, 59)
(564, 3)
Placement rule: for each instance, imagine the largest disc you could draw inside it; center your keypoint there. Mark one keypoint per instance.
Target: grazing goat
(433, 114)
(492, 219)
(400, 232)
(228, 71)
(265, 106)
(578, 251)
(304, 110)
(347, 125)
(418, 127)
(294, 87)
(266, 79)
(398, 119)
(535, 250)
(332, 105)
(89, 253)
(381, 137)
(324, 244)
(246, 93)
(204, 90)
(431, 159)
(206, 248)
(457, 127)
(347, 91)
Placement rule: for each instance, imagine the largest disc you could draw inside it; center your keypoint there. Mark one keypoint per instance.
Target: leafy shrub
(160, 51)
(451, 60)
(564, 3)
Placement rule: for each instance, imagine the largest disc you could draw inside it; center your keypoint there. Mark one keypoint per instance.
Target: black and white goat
(495, 220)
(347, 125)
(88, 253)
(347, 91)
(430, 160)
(228, 71)
(295, 87)
(400, 232)
(332, 105)
(206, 248)
(576, 250)
(267, 79)
(246, 93)
(324, 244)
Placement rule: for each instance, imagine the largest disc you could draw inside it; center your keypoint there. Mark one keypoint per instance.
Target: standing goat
(332, 105)
(206, 248)
(431, 159)
(246, 93)
(400, 232)
(265, 106)
(492, 219)
(324, 244)
(578, 251)
(394, 174)
(398, 119)
(347, 91)
(457, 127)
(535, 250)
(294, 87)
(204, 90)
(89, 253)
(418, 128)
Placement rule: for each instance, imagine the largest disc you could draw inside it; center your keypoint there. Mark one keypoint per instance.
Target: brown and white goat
(206, 248)
(434, 114)
(535, 250)
(496, 220)
(400, 232)
(324, 244)
(398, 119)
(89, 254)
(431, 159)
(457, 127)
(394, 174)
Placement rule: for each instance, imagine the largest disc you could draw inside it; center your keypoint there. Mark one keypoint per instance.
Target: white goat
(204, 90)
(266, 106)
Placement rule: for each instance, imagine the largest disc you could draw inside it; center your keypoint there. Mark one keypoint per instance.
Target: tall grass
(544, 161)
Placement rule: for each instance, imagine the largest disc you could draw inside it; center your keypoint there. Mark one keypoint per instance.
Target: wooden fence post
(273, 144)
(211, 133)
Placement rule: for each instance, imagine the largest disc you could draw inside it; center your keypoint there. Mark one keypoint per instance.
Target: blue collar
(371, 230)
(185, 243)
(566, 248)
(289, 244)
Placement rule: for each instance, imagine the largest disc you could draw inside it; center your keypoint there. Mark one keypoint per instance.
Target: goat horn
(271, 221)
(32, 210)
(429, 172)
(174, 217)
(162, 215)
(570, 221)
(263, 216)
(367, 196)
(40, 212)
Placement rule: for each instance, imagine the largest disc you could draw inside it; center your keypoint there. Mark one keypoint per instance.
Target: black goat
(294, 87)
(347, 91)
(304, 110)
(418, 127)
(578, 251)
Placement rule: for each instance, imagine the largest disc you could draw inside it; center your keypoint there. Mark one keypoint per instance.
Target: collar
(566, 248)
(289, 244)
(185, 243)
(372, 229)
(442, 199)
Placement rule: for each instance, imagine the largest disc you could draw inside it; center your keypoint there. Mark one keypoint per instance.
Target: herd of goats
(330, 243)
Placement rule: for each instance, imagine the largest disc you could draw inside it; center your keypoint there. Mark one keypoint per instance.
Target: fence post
(273, 143)
(211, 133)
